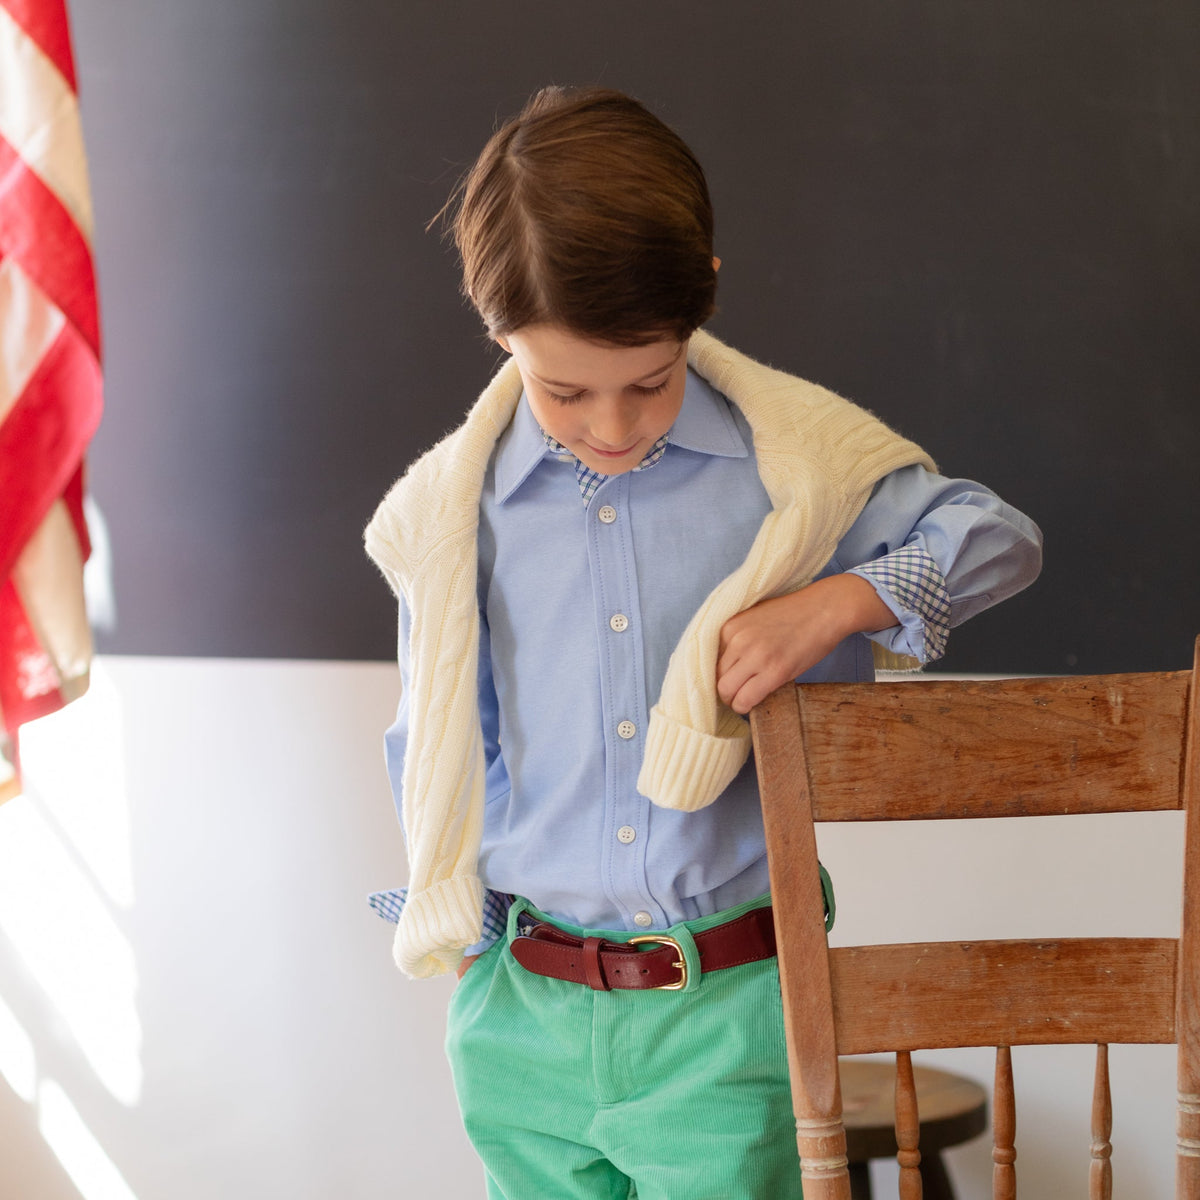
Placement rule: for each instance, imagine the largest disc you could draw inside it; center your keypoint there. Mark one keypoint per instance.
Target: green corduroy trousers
(661, 1095)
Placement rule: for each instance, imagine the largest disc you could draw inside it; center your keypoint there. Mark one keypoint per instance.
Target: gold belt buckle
(681, 965)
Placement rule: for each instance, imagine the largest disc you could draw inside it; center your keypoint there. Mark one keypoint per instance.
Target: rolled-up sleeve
(938, 551)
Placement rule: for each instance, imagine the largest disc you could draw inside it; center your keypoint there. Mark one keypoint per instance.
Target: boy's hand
(777, 640)
(466, 962)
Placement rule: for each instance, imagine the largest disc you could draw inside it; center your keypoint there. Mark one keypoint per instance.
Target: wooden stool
(952, 1110)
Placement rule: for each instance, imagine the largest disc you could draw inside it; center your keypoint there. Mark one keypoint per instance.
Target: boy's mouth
(612, 453)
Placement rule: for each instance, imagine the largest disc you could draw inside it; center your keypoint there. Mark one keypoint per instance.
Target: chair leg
(860, 1181)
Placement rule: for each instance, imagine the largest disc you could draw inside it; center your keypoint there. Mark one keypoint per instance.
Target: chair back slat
(936, 995)
(1000, 748)
(1004, 1129)
(1100, 1178)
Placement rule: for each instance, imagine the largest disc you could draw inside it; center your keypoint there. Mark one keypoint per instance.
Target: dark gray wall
(981, 221)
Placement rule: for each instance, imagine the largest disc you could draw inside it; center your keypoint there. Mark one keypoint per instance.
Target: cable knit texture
(819, 457)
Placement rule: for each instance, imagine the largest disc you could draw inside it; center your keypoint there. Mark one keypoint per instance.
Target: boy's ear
(502, 342)
(716, 263)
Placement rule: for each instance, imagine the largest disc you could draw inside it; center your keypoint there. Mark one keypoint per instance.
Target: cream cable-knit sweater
(819, 457)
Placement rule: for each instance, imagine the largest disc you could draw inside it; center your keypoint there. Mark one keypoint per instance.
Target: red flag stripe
(46, 23)
(43, 439)
(40, 234)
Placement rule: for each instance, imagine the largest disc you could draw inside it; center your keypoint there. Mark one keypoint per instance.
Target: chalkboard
(979, 220)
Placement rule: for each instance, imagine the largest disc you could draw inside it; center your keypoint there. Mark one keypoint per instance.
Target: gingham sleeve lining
(915, 581)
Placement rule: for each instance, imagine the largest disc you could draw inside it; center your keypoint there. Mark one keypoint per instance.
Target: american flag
(50, 384)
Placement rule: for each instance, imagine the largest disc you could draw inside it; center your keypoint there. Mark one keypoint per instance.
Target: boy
(636, 535)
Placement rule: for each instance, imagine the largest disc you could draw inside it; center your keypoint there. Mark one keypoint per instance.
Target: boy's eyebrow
(642, 379)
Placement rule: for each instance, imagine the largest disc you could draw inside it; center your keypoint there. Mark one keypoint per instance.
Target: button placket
(614, 578)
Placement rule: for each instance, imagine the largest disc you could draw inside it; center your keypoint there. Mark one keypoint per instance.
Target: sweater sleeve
(390, 903)
(395, 740)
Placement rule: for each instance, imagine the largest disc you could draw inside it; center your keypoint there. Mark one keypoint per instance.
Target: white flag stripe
(39, 118)
(49, 579)
(29, 323)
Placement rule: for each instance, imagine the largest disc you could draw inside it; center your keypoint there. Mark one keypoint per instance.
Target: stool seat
(951, 1109)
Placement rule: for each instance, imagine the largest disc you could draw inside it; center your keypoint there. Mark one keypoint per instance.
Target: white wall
(280, 1052)
(187, 963)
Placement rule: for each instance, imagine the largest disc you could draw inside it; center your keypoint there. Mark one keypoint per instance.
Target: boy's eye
(575, 397)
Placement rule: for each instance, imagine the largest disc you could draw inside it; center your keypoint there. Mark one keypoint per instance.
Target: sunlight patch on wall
(65, 866)
(61, 929)
(66, 881)
(18, 1062)
(82, 1157)
(73, 762)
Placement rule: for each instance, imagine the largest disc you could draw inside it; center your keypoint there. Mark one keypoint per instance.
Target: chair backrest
(947, 749)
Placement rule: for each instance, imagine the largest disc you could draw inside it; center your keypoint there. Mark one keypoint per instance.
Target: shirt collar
(705, 425)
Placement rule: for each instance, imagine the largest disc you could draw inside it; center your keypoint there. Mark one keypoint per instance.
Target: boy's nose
(613, 423)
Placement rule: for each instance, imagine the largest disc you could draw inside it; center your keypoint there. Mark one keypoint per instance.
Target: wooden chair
(942, 749)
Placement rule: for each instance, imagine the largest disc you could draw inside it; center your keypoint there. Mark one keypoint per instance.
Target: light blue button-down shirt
(582, 606)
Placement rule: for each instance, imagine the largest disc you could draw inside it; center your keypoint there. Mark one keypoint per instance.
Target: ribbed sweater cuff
(888, 660)
(437, 924)
(686, 769)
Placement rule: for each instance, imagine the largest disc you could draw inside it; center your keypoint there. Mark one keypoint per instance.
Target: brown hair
(587, 212)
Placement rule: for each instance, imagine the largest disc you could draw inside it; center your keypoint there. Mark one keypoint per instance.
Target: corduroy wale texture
(818, 455)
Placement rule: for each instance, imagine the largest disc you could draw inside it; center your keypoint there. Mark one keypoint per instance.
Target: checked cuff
(916, 582)
(391, 903)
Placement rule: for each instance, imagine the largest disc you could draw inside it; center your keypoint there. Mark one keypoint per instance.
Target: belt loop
(519, 906)
(592, 970)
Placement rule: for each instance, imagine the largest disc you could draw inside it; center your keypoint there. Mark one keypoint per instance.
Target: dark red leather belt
(603, 965)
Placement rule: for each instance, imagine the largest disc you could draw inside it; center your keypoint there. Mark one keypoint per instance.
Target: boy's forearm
(779, 639)
(861, 607)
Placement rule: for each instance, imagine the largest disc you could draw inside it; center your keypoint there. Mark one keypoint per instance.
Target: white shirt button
(618, 622)
(607, 514)
(626, 834)
(626, 730)
(642, 918)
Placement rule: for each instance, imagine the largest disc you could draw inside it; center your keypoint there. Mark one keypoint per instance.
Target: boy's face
(606, 404)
